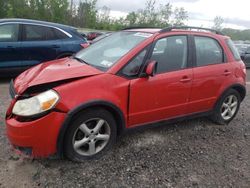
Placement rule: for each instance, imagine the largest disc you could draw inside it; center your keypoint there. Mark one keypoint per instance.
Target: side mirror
(151, 68)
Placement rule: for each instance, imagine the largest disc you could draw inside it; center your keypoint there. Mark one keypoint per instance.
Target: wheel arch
(238, 87)
(116, 111)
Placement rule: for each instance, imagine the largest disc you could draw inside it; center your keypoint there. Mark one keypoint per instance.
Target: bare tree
(218, 21)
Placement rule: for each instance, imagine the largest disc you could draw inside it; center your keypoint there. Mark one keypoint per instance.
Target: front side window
(170, 53)
(133, 67)
(9, 32)
(109, 50)
(208, 51)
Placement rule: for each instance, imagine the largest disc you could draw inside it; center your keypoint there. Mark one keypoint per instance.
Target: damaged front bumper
(36, 138)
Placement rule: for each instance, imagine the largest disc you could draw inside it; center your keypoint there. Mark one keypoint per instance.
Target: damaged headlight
(37, 104)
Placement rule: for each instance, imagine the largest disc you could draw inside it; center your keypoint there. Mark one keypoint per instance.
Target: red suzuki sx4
(76, 106)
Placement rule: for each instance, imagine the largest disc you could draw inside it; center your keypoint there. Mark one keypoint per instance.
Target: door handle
(55, 46)
(11, 47)
(226, 73)
(185, 79)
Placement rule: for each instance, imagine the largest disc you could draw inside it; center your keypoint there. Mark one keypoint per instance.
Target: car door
(9, 46)
(38, 44)
(164, 95)
(209, 72)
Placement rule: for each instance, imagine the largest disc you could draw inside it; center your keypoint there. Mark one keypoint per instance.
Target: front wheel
(227, 107)
(91, 134)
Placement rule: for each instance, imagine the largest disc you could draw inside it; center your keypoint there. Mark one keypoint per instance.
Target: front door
(166, 94)
(10, 55)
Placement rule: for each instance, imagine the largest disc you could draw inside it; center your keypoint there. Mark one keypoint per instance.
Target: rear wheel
(227, 107)
(91, 134)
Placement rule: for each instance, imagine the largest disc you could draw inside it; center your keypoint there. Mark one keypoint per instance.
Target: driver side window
(170, 53)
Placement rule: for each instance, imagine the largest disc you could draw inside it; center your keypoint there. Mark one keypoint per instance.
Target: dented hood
(53, 71)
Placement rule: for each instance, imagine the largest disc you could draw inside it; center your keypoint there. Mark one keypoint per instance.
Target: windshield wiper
(80, 60)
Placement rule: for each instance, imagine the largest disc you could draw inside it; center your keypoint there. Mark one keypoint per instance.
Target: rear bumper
(37, 138)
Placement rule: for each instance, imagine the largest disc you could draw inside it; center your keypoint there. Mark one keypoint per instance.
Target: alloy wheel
(229, 107)
(91, 137)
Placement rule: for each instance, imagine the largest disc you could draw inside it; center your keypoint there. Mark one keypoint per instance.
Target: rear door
(10, 54)
(210, 72)
(39, 44)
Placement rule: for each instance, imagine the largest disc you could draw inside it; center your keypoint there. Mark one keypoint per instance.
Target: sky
(236, 14)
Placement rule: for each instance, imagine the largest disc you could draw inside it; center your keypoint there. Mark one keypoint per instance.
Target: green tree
(3, 8)
(162, 16)
(87, 13)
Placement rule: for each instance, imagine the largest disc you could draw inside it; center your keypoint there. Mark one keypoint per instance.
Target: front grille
(12, 89)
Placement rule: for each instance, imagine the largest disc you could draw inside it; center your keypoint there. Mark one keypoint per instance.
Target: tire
(89, 130)
(222, 105)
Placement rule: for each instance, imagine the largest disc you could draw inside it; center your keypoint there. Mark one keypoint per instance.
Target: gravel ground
(194, 153)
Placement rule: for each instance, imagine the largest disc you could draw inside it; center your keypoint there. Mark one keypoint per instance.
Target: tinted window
(9, 33)
(170, 53)
(39, 33)
(208, 51)
(233, 49)
(59, 35)
(133, 67)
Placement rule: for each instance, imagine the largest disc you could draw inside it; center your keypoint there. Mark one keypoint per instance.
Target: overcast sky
(236, 14)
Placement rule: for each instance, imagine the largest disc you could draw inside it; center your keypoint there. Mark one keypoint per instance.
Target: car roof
(145, 30)
(195, 32)
(18, 20)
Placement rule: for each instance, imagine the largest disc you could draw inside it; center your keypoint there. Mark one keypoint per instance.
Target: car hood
(53, 71)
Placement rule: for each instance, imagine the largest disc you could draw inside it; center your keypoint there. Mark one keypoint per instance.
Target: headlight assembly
(36, 105)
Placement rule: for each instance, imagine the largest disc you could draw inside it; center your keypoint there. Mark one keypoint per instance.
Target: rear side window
(208, 51)
(41, 33)
(9, 33)
(59, 35)
(233, 49)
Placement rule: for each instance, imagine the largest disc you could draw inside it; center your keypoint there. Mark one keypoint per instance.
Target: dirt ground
(194, 153)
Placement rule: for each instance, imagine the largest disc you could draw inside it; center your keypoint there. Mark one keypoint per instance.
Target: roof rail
(168, 29)
(140, 27)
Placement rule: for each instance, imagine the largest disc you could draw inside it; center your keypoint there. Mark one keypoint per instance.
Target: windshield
(109, 50)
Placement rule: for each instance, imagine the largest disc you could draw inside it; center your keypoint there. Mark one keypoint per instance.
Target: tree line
(85, 14)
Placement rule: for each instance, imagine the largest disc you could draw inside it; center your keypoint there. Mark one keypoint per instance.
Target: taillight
(85, 45)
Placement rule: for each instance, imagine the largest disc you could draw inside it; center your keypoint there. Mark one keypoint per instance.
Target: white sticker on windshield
(146, 35)
(106, 63)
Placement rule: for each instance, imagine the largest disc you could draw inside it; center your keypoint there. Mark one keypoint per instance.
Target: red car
(76, 107)
(93, 35)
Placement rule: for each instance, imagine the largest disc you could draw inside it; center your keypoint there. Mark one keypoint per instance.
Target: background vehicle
(93, 35)
(131, 78)
(25, 43)
(100, 37)
(245, 56)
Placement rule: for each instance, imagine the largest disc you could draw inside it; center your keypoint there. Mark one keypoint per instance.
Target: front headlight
(37, 104)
